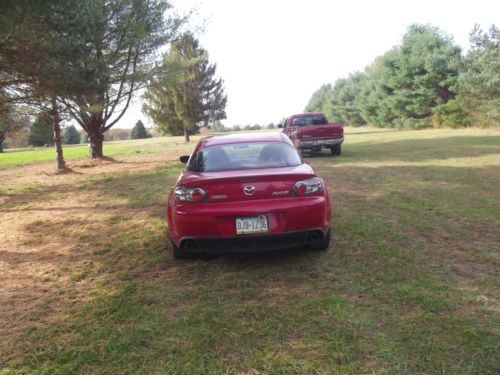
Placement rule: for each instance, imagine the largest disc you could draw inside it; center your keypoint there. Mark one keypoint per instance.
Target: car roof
(244, 138)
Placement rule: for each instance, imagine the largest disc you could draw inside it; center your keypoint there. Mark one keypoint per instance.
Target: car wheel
(323, 245)
(336, 150)
(178, 254)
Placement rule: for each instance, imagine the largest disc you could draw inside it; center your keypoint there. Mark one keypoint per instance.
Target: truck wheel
(336, 150)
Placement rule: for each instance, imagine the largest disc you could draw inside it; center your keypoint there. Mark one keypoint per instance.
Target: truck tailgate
(311, 132)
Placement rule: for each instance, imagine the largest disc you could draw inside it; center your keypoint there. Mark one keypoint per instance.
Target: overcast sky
(274, 54)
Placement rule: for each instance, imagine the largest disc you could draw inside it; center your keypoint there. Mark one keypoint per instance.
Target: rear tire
(336, 150)
(324, 244)
(178, 254)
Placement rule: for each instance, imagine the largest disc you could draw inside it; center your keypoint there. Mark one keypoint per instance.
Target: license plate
(252, 224)
(321, 142)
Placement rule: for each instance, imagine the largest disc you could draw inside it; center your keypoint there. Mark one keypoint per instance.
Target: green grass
(409, 285)
(36, 155)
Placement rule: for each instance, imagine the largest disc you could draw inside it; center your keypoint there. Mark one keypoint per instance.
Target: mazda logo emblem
(249, 190)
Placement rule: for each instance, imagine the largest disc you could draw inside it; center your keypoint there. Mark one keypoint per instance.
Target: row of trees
(426, 81)
(40, 133)
(80, 60)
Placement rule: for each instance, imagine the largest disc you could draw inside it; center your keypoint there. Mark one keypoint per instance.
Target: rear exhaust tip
(315, 236)
(188, 245)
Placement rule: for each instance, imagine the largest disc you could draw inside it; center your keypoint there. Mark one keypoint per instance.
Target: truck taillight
(189, 194)
(309, 186)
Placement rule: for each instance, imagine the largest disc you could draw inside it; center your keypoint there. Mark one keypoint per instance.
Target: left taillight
(309, 186)
(189, 194)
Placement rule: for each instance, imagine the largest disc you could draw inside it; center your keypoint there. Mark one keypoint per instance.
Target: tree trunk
(2, 138)
(186, 135)
(57, 135)
(96, 136)
(95, 140)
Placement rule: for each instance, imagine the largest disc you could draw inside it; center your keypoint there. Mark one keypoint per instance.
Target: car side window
(299, 121)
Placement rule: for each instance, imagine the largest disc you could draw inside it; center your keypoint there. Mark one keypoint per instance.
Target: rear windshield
(309, 120)
(251, 155)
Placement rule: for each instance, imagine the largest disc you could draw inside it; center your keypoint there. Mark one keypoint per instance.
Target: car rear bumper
(318, 142)
(218, 221)
(253, 243)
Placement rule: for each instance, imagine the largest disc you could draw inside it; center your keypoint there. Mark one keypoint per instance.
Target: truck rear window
(309, 120)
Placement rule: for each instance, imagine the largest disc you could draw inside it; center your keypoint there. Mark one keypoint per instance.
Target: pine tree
(41, 131)
(185, 94)
(139, 131)
(71, 136)
(480, 77)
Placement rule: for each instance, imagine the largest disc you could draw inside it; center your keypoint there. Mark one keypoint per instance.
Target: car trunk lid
(244, 185)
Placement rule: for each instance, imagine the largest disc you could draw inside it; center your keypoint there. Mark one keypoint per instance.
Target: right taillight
(309, 186)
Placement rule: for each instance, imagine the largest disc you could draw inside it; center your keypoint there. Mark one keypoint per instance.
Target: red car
(246, 193)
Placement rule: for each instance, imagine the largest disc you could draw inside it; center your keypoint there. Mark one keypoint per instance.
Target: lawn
(410, 283)
(40, 154)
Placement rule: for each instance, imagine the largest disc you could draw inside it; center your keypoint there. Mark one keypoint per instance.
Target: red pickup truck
(311, 131)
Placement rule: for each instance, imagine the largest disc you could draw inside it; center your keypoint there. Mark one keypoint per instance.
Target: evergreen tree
(139, 131)
(71, 136)
(319, 100)
(41, 131)
(185, 94)
(343, 102)
(480, 78)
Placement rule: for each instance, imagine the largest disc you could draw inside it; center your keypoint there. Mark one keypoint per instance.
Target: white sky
(274, 54)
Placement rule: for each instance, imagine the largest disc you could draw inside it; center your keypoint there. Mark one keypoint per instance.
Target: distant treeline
(40, 133)
(424, 82)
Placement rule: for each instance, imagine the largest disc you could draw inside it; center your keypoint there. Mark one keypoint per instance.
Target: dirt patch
(44, 217)
(90, 163)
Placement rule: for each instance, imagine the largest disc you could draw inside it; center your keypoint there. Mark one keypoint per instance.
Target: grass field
(410, 283)
(39, 154)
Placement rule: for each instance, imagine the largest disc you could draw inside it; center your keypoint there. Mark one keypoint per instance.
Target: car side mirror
(280, 125)
(184, 159)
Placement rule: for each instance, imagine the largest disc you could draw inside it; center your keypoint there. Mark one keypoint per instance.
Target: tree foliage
(185, 94)
(139, 131)
(12, 121)
(480, 80)
(423, 82)
(111, 44)
(71, 136)
(41, 131)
